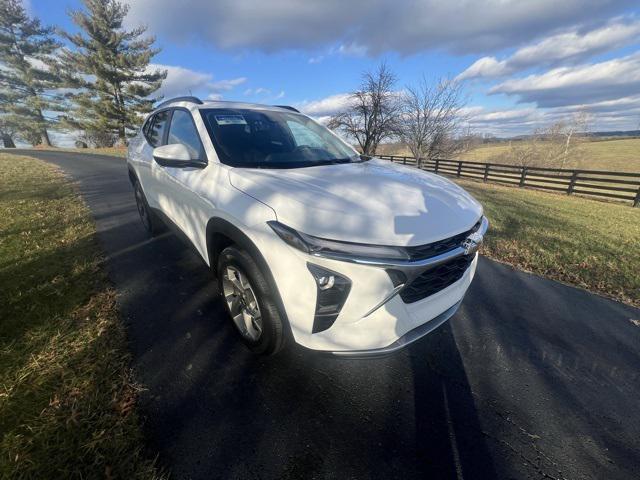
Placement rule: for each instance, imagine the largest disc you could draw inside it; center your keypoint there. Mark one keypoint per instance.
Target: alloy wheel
(242, 303)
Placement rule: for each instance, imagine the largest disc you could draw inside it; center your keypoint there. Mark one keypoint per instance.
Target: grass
(114, 151)
(587, 243)
(618, 155)
(67, 401)
(612, 155)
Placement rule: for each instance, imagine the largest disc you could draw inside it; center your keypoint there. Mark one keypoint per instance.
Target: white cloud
(619, 114)
(264, 95)
(183, 81)
(486, 67)
(226, 85)
(180, 81)
(352, 49)
(404, 26)
(626, 107)
(581, 84)
(325, 107)
(569, 46)
(257, 91)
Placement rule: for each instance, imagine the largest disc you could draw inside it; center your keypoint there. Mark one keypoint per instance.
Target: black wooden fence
(617, 185)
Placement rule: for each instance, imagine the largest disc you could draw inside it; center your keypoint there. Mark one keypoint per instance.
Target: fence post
(572, 183)
(404, 160)
(523, 176)
(437, 164)
(459, 167)
(636, 201)
(486, 172)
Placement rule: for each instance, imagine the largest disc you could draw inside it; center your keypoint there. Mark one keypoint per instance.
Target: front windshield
(273, 139)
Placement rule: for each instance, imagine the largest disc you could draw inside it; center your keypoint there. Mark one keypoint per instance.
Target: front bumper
(374, 319)
(405, 340)
(381, 331)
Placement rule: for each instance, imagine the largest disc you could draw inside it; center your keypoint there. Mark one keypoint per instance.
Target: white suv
(308, 239)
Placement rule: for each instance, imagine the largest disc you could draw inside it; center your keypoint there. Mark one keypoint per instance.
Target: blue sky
(524, 63)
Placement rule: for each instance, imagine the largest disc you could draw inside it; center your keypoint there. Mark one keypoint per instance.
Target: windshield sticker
(230, 120)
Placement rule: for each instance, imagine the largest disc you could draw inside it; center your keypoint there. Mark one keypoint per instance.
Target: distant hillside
(613, 153)
(612, 134)
(602, 153)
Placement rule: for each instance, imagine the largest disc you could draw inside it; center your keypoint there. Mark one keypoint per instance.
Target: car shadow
(214, 410)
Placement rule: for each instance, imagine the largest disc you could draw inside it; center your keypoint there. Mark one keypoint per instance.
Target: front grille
(433, 280)
(421, 252)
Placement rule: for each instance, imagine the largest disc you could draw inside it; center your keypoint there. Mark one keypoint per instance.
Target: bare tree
(431, 117)
(469, 139)
(372, 112)
(554, 146)
(579, 123)
(524, 153)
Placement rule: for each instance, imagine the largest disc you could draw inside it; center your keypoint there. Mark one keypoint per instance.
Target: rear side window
(147, 126)
(184, 131)
(158, 125)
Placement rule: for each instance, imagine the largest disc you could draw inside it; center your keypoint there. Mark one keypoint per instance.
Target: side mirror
(174, 155)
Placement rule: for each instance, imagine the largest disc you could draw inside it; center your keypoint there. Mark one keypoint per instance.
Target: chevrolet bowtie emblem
(472, 243)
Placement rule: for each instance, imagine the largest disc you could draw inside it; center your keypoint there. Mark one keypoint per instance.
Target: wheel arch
(133, 177)
(220, 234)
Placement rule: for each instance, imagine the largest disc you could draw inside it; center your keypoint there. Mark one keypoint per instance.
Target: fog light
(324, 283)
(332, 292)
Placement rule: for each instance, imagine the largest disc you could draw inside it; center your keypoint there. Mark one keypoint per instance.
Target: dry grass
(612, 155)
(587, 243)
(620, 155)
(114, 151)
(67, 401)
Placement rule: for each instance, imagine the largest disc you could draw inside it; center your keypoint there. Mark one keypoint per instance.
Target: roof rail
(187, 98)
(288, 108)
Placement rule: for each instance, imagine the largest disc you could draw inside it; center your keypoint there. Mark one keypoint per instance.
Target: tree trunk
(45, 137)
(566, 150)
(122, 136)
(8, 141)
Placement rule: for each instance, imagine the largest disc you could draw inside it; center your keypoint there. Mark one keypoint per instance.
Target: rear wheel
(149, 221)
(249, 300)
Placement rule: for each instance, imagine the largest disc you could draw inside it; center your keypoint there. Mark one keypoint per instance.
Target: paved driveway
(531, 379)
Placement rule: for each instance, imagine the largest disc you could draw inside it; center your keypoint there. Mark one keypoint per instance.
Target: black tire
(150, 221)
(272, 337)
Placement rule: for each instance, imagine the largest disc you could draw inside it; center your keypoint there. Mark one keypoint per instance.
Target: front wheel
(249, 300)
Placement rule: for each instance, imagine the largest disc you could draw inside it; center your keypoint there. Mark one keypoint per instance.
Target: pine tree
(109, 67)
(28, 83)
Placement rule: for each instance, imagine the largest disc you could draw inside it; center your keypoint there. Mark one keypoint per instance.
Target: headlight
(335, 249)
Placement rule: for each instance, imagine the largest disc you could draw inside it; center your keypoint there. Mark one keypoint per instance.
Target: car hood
(375, 202)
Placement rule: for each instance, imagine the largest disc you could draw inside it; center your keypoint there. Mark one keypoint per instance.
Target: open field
(582, 242)
(621, 155)
(612, 155)
(67, 403)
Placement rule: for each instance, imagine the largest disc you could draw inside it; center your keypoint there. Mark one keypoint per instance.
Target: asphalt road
(531, 379)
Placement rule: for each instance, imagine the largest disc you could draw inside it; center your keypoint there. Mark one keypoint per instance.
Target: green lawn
(588, 243)
(67, 401)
